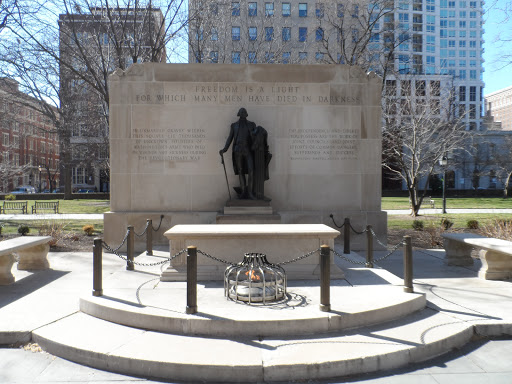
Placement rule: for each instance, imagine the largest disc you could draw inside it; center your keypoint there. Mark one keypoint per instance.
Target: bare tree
(67, 64)
(8, 10)
(420, 127)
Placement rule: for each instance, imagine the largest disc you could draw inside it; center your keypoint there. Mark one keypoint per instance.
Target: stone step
(160, 306)
(117, 348)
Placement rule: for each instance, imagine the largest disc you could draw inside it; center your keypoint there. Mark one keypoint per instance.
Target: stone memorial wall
(169, 121)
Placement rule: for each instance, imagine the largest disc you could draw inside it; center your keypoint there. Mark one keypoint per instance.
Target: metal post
(130, 248)
(97, 276)
(191, 279)
(408, 265)
(325, 278)
(444, 191)
(346, 236)
(369, 247)
(149, 237)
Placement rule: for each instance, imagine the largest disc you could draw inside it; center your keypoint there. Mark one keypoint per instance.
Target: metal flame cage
(255, 280)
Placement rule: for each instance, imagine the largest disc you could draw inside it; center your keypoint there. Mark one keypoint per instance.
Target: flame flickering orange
(254, 277)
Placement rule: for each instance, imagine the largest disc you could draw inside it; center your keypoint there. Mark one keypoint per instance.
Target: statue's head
(242, 112)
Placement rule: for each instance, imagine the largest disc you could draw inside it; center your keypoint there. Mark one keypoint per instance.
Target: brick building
(29, 144)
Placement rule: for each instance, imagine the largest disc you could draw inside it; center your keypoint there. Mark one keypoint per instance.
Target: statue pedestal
(248, 212)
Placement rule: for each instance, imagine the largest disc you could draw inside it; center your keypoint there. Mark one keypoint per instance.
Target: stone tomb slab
(229, 242)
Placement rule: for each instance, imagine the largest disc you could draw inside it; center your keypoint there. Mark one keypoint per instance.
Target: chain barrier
(402, 243)
(166, 260)
(143, 232)
(110, 249)
(215, 258)
(159, 225)
(347, 259)
(357, 232)
(299, 258)
(334, 221)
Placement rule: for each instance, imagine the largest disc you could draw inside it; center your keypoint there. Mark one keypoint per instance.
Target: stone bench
(15, 206)
(45, 206)
(31, 250)
(280, 242)
(495, 254)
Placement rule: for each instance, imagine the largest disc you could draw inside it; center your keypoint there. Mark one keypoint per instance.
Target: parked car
(85, 190)
(58, 190)
(46, 191)
(24, 189)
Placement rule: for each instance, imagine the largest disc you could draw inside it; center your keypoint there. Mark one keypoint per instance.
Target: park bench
(45, 205)
(495, 254)
(15, 206)
(32, 252)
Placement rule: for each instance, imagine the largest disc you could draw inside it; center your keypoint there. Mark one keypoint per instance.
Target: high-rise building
(415, 40)
(28, 142)
(92, 45)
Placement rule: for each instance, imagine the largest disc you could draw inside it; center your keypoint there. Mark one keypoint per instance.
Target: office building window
(472, 93)
(214, 34)
(340, 10)
(253, 9)
(286, 9)
(235, 8)
(286, 33)
(303, 34)
(319, 56)
(253, 33)
(303, 56)
(319, 34)
(235, 57)
(214, 9)
(462, 93)
(269, 33)
(286, 57)
(269, 9)
(269, 57)
(235, 33)
(435, 88)
(214, 57)
(462, 74)
(319, 10)
(303, 10)
(252, 57)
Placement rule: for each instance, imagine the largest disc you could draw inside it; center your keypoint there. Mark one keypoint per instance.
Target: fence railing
(325, 260)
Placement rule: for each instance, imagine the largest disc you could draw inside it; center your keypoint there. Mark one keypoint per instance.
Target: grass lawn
(459, 220)
(459, 202)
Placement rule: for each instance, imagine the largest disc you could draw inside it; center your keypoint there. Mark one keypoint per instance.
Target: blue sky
(497, 75)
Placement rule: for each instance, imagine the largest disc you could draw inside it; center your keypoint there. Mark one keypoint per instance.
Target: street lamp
(443, 162)
(40, 170)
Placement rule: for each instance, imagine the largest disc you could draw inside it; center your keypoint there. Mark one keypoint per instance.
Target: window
(286, 33)
(214, 9)
(5, 139)
(435, 88)
(472, 4)
(451, 43)
(472, 111)
(78, 175)
(431, 6)
(339, 9)
(462, 14)
(319, 56)
(269, 9)
(235, 57)
(462, 74)
(286, 57)
(472, 93)
(420, 88)
(355, 35)
(431, 60)
(462, 93)
(472, 44)
(253, 33)
(253, 9)
(462, 53)
(319, 11)
(269, 57)
(390, 88)
(235, 33)
(319, 34)
(252, 57)
(406, 87)
(269, 33)
(472, 74)
(303, 56)
(287, 10)
(235, 8)
(6, 157)
(462, 63)
(199, 37)
(303, 10)
(214, 34)
(403, 63)
(355, 11)
(214, 57)
(303, 34)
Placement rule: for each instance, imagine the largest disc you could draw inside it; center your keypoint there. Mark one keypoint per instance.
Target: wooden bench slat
(45, 205)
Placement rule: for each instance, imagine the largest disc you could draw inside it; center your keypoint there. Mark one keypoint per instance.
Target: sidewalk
(43, 297)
